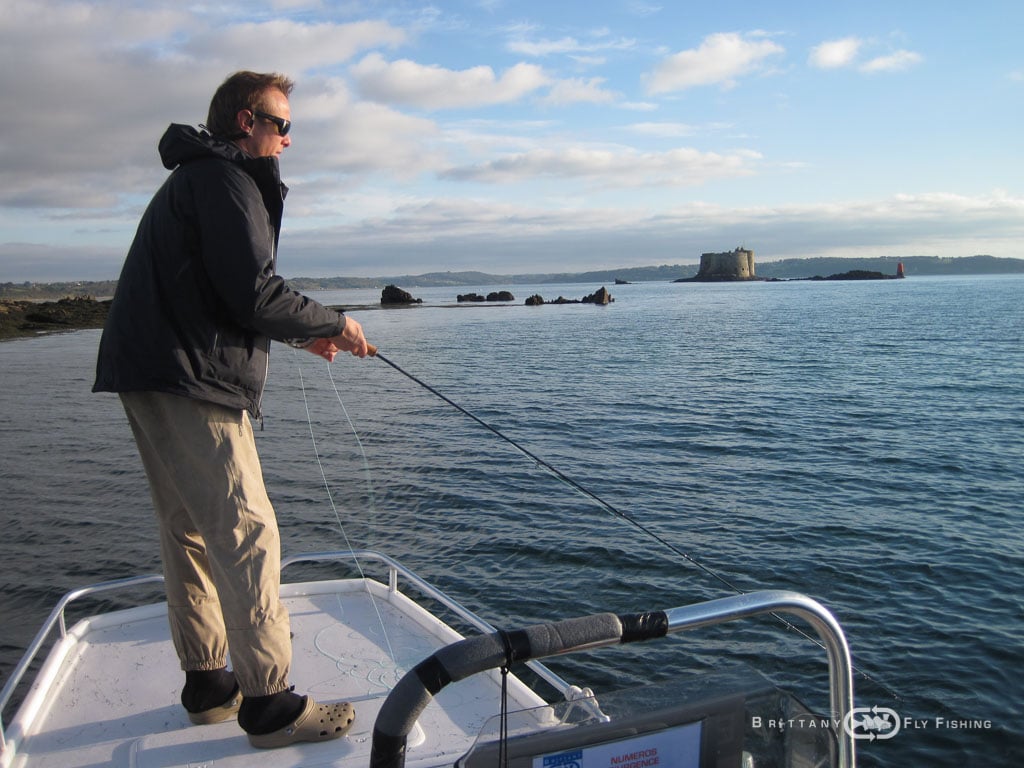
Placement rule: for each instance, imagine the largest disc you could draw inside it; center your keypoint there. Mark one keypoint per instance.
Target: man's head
(252, 110)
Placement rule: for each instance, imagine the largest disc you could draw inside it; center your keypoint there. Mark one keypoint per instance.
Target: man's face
(265, 140)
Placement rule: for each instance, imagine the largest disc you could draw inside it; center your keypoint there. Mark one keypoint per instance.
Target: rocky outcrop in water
(392, 294)
(858, 274)
(492, 296)
(600, 296)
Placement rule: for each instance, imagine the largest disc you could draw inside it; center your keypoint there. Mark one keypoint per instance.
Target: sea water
(860, 442)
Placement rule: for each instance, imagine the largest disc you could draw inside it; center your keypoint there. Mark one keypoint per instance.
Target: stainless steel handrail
(484, 652)
(56, 617)
(679, 619)
(840, 664)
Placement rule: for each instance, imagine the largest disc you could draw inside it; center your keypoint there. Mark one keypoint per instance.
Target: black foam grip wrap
(432, 674)
(518, 645)
(643, 626)
(387, 751)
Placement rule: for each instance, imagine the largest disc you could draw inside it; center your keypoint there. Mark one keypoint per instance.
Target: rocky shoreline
(21, 318)
(31, 318)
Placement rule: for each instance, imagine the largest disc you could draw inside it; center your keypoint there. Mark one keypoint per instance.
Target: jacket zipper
(263, 386)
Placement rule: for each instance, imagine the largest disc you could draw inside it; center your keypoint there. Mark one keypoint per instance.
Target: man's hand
(351, 339)
(324, 348)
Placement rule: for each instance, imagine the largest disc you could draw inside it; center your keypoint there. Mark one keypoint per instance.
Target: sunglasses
(283, 126)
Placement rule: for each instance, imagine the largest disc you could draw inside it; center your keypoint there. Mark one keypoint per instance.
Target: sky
(524, 137)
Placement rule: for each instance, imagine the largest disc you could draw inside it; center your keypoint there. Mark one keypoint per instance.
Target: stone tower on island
(732, 265)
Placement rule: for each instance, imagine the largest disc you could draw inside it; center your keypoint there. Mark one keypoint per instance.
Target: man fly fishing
(186, 347)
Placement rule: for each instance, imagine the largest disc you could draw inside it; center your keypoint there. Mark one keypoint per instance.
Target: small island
(863, 274)
(730, 266)
(738, 265)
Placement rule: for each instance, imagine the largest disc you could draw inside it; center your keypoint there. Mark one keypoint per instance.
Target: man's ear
(245, 120)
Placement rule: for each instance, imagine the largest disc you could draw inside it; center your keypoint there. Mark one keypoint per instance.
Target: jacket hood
(183, 143)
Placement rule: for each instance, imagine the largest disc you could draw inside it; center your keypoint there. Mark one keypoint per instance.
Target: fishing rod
(373, 351)
(615, 511)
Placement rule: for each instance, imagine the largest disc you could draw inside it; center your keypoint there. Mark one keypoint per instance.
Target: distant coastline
(28, 309)
(786, 269)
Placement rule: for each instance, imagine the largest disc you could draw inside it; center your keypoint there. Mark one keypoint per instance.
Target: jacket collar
(182, 144)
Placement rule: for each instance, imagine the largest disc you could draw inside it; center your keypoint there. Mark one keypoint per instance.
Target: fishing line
(612, 509)
(330, 496)
(362, 451)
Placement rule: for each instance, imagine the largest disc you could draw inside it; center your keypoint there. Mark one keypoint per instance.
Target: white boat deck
(109, 694)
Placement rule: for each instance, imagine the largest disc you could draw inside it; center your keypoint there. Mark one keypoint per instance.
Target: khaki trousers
(219, 541)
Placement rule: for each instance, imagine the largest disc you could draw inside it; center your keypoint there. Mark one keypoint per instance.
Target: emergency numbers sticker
(673, 748)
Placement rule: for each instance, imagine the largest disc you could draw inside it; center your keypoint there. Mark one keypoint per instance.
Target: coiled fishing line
(330, 496)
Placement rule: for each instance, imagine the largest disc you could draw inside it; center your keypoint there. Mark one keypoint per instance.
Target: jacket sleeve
(236, 247)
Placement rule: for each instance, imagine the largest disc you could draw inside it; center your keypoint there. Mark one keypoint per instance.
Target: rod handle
(371, 351)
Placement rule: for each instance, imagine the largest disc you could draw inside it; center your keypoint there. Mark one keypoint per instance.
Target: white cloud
(433, 87)
(157, 66)
(540, 48)
(643, 9)
(894, 62)
(665, 130)
(833, 54)
(90, 85)
(611, 168)
(588, 61)
(363, 138)
(577, 90)
(395, 234)
(720, 59)
(568, 45)
(639, 106)
(293, 46)
(444, 233)
(838, 54)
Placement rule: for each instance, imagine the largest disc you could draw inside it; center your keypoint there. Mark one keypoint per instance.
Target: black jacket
(198, 299)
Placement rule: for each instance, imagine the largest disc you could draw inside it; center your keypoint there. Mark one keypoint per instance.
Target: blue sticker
(564, 760)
